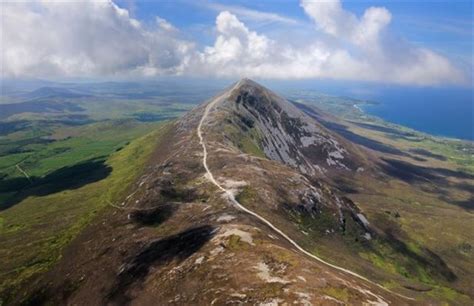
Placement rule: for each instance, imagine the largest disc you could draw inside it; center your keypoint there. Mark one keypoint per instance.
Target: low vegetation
(50, 221)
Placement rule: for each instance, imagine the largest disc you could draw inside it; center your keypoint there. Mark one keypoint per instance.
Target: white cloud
(360, 49)
(97, 38)
(387, 59)
(330, 17)
(253, 15)
(57, 38)
(236, 44)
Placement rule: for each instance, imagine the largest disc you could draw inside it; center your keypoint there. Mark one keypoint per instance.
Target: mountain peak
(279, 130)
(246, 82)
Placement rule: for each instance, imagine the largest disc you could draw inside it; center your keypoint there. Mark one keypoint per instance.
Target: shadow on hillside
(343, 131)
(427, 153)
(414, 174)
(383, 129)
(411, 173)
(153, 216)
(430, 261)
(361, 140)
(66, 178)
(159, 252)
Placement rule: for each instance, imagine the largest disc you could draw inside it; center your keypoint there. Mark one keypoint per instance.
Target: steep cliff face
(284, 133)
(279, 154)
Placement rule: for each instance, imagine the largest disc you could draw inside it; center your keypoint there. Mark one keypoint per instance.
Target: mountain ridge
(198, 227)
(238, 87)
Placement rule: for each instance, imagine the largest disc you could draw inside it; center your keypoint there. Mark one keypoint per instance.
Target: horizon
(443, 111)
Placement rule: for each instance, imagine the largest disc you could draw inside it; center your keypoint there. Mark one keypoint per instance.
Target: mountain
(286, 134)
(242, 202)
(53, 92)
(43, 100)
(16, 86)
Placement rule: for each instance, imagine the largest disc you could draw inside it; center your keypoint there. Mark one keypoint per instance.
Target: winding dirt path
(232, 199)
(23, 172)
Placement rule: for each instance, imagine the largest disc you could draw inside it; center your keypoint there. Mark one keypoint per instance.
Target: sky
(416, 43)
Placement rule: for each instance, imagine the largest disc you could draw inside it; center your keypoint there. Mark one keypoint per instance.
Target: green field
(60, 166)
(35, 230)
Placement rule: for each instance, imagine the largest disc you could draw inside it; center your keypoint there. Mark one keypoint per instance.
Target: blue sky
(402, 42)
(445, 26)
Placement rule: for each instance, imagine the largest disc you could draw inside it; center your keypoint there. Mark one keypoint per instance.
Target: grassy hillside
(39, 167)
(63, 158)
(35, 229)
(421, 201)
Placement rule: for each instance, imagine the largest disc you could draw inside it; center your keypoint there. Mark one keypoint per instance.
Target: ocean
(437, 111)
(440, 111)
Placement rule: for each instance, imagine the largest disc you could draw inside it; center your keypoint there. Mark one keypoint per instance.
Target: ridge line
(232, 199)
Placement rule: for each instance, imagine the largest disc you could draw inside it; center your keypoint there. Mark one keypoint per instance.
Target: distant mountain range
(54, 92)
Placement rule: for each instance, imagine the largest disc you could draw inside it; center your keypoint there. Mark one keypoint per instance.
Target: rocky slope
(229, 211)
(284, 133)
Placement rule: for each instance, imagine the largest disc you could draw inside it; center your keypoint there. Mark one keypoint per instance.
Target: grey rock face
(286, 134)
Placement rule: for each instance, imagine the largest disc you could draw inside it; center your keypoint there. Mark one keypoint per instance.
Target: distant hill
(14, 86)
(7, 110)
(54, 92)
